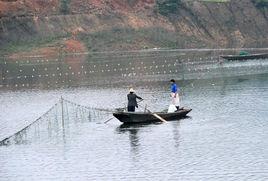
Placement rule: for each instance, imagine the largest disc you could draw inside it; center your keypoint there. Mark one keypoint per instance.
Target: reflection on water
(132, 131)
(224, 138)
(126, 67)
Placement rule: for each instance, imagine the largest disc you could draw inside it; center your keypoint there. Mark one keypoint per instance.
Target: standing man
(175, 94)
(132, 100)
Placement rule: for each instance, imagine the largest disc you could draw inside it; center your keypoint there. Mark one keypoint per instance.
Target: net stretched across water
(53, 125)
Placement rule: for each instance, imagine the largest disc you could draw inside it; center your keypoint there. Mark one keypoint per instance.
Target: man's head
(131, 90)
(172, 81)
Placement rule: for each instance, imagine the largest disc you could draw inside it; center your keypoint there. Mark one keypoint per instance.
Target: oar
(155, 115)
(108, 120)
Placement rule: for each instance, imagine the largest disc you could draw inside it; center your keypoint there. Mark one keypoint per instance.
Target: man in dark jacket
(132, 101)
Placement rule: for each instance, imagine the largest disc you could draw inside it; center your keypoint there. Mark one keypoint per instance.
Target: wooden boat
(143, 117)
(245, 57)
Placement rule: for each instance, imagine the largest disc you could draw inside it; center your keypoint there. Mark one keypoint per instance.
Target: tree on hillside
(65, 6)
(260, 3)
(167, 7)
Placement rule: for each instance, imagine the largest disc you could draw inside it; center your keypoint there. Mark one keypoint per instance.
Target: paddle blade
(160, 118)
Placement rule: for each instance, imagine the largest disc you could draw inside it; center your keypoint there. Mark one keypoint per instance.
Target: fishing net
(56, 122)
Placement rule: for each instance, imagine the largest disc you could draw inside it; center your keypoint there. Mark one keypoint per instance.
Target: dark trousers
(131, 108)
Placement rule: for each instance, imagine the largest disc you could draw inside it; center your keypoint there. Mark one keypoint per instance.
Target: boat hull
(245, 57)
(141, 117)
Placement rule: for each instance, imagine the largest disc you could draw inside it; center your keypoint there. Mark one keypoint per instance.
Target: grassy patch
(128, 39)
(29, 44)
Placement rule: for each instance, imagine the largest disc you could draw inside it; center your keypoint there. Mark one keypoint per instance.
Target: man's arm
(139, 97)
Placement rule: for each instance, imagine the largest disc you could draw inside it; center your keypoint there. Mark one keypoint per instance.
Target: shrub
(65, 6)
(167, 7)
(260, 3)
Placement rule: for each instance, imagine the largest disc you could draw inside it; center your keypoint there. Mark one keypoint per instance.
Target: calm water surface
(225, 137)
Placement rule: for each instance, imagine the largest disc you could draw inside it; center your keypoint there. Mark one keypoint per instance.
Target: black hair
(172, 80)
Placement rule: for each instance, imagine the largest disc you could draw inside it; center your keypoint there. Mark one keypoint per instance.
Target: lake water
(224, 137)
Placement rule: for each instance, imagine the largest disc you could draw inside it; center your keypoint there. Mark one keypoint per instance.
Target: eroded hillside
(105, 25)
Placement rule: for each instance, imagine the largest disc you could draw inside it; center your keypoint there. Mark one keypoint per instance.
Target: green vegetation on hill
(216, 1)
(30, 44)
(65, 6)
(167, 7)
(132, 39)
(260, 3)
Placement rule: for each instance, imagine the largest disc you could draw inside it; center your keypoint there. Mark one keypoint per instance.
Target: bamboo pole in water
(62, 120)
